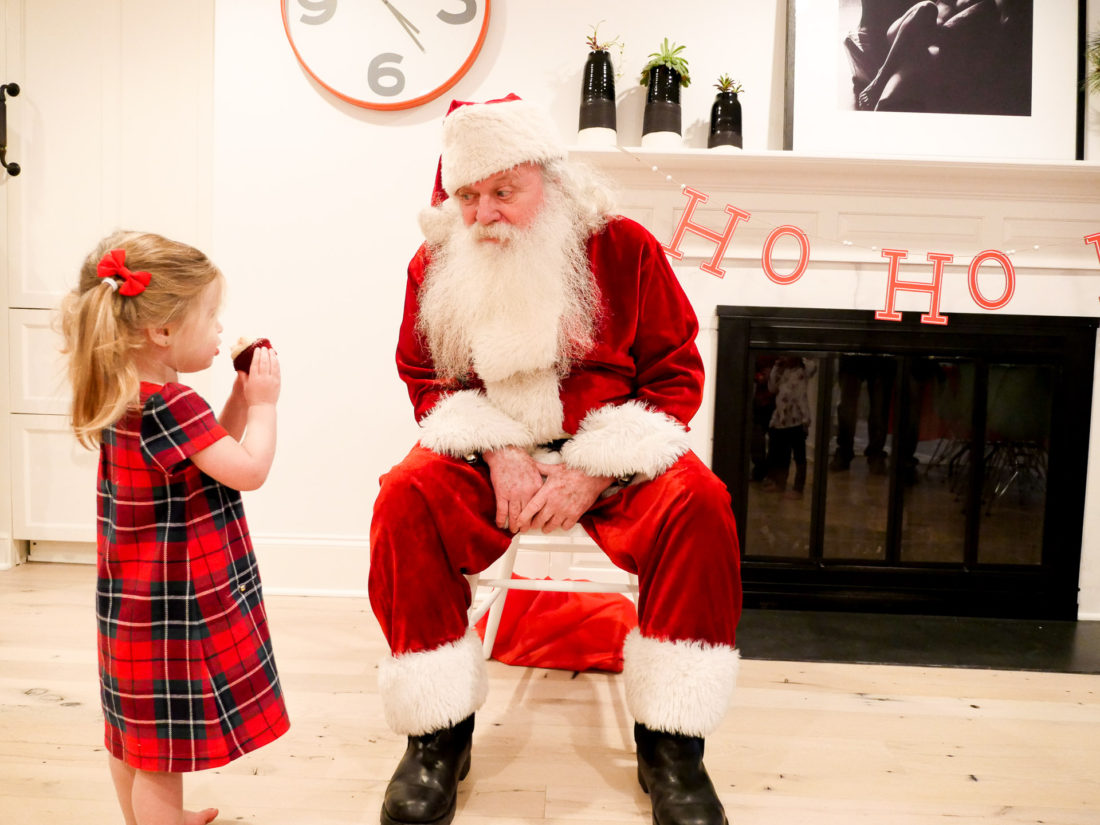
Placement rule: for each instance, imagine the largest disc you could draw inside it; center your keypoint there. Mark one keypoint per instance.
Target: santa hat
(481, 139)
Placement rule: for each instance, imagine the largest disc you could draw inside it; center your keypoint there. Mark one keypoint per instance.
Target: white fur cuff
(433, 689)
(466, 422)
(626, 439)
(680, 687)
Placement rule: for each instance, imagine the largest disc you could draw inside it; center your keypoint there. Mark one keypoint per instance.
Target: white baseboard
(313, 565)
(289, 565)
(62, 552)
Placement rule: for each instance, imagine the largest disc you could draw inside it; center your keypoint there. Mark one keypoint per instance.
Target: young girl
(789, 380)
(187, 675)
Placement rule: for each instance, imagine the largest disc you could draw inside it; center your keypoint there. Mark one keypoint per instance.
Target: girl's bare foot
(202, 817)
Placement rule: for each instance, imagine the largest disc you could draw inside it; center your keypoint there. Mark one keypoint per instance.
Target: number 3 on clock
(386, 54)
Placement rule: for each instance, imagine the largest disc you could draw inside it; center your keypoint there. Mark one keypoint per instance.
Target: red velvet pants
(434, 522)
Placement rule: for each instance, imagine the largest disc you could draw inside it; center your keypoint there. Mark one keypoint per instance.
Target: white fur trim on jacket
(433, 689)
(481, 139)
(626, 439)
(680, 687)
(466, 422)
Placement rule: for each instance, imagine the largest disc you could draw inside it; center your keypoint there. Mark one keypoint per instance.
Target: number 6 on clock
(386, 54)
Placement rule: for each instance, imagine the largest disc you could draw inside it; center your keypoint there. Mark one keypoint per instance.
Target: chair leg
(507, 562)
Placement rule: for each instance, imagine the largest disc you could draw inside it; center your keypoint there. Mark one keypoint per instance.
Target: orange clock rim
(406, 104)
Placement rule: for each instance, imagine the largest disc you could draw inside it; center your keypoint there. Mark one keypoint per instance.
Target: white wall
(314, 219)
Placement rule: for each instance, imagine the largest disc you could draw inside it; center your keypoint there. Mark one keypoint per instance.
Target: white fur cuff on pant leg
(433, 689)
(680, 687)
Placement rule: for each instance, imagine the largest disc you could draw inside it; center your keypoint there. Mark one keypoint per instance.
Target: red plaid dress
(187, 673)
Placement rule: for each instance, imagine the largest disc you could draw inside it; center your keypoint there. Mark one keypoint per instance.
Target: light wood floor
(804, 744)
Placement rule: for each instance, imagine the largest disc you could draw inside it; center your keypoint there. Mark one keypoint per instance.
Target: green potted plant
(596, 122)
(1092, 59)
(664, 74)
(725, 114)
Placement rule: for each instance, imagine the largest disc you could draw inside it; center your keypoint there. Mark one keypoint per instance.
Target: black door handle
(11, 90)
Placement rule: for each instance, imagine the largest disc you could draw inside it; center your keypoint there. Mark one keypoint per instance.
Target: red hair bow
(114, 263)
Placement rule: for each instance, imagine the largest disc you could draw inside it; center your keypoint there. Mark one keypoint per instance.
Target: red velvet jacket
(627, 403)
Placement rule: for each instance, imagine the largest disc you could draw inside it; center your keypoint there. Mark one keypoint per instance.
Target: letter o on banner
(1010, 279)
(803, 254)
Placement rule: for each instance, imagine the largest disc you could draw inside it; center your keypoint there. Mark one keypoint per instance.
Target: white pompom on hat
(481, 139)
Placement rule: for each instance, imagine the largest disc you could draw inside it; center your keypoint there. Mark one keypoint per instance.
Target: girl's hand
(244, 464)
(264, 379)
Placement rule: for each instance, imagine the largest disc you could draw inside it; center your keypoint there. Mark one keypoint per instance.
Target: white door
(112, 129)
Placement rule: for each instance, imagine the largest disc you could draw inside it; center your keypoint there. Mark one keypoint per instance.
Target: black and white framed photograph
(990, 79)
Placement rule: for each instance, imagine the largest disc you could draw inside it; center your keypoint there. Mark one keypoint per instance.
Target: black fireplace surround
(973, 505)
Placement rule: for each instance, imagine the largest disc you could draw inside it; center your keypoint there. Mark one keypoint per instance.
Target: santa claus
(549, 354)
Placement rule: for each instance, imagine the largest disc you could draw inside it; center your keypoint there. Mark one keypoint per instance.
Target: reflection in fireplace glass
(781, 452)
(898, 429)
(935, 453)
(1014, 486)
(858, 490)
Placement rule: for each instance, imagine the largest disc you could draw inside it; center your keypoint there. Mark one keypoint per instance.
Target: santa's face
(507, 199)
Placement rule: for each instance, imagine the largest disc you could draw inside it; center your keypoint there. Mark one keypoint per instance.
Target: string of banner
(894, 256)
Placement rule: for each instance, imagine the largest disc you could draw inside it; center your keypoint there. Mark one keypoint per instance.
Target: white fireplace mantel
(798, 173)
(853, 207)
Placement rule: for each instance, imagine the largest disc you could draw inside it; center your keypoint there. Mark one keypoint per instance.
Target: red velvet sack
(567, 631)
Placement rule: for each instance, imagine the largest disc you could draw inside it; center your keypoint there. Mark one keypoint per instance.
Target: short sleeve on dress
(176, 423)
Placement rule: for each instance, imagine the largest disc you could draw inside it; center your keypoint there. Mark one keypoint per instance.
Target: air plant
(728, 84)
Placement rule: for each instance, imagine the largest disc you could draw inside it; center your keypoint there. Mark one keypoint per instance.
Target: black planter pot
(597, 92)
(725, 121)
(662, 101)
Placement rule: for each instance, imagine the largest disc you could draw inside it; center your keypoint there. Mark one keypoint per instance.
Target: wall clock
(386, 54)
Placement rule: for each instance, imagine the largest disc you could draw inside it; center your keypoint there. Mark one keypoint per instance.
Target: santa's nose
(487, 211)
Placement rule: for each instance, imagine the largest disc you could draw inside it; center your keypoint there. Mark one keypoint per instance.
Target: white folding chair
(561, 547)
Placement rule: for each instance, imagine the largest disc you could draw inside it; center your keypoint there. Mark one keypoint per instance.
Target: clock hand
(405, 23)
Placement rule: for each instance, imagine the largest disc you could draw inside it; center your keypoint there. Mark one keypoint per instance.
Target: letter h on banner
(938, 259)
(723, 238)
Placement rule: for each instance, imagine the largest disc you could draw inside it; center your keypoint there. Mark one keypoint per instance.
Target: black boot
(424, 788)
(671, 771)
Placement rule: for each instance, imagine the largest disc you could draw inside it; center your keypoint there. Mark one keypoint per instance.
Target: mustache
(495, 231)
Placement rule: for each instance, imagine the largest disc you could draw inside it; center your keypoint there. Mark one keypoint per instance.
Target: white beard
(527, 304)
(517, 313)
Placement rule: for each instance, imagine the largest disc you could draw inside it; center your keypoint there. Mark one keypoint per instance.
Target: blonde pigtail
(101, 369)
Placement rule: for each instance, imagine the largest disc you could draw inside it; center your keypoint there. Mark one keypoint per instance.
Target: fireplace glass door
(884, 466)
